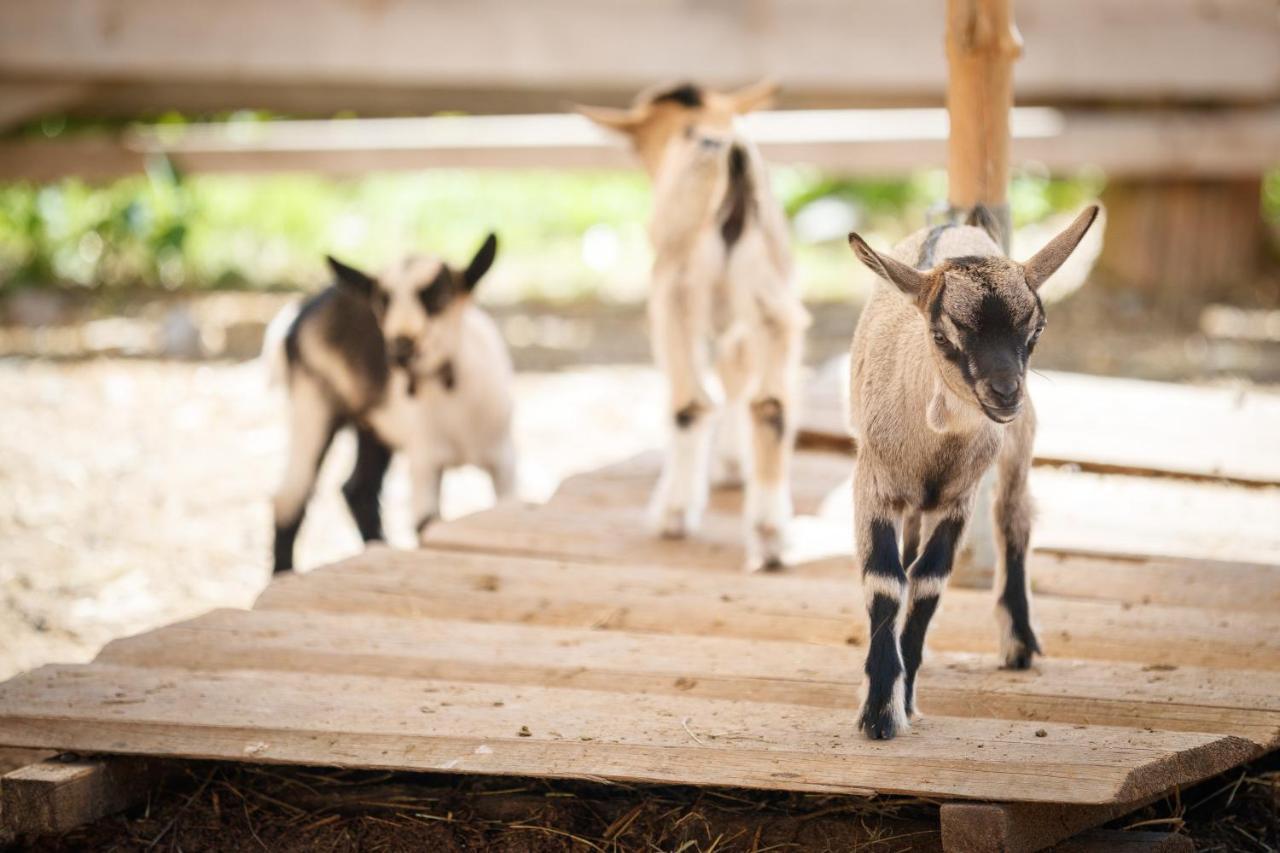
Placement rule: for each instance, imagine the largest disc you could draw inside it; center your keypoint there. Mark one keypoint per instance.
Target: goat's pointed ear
(907, 279)
(754, 97)
(351, 278)
(1045, 262)
(612, 118)
(481, 262)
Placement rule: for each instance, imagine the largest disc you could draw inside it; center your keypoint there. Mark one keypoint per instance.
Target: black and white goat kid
(938, 396)
(409, 361)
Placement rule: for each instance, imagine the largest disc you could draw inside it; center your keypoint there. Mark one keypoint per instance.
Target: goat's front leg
(681, 496)
(884, 584)
(926, 578)
(1012, 512)
(426, 473)
(773, 425)
(501, 467)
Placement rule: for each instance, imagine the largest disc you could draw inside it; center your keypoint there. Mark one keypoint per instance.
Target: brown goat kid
(726, 321)
(938, 395)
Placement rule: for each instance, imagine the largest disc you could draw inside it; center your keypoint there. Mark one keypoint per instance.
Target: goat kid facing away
(409, 361)
(938, 395)
(726, 324)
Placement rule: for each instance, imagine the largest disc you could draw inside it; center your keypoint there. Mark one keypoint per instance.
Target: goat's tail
(274, 360)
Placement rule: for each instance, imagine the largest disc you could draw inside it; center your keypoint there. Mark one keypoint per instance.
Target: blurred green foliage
(564, 235)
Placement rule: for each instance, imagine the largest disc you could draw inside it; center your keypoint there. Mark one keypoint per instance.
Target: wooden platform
(563, 640)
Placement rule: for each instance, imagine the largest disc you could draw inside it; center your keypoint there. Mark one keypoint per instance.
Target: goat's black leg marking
(363, 488)
(282, 549)
(686, 415)
(286, 530)
(927, 576)
(884, 583)
(1014, 602)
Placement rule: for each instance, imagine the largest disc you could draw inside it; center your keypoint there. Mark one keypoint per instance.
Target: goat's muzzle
(401, 351)
(1001, 397)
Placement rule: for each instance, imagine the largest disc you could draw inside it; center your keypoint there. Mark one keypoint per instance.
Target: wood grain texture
(463, 727)
(1116, 425)
(1230, 702)
(54, 796)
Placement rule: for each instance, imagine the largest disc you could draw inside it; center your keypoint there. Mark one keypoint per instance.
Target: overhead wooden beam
(1153, 144)
(20, 102)
(1086, 51)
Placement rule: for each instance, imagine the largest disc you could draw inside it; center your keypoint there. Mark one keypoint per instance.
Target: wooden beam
(1019, 827)
(1239, 143)
(55, 796)
(22, 101)
(1085, 51)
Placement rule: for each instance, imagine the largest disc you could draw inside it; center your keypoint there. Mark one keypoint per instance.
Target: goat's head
(982, 314)
(418, 304)
(664, 119)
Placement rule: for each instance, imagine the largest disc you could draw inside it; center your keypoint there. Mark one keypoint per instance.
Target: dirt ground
(137, 493)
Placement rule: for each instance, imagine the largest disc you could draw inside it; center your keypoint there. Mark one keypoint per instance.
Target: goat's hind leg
(363, 489)
(926, 579)
(884, 584)
(313, 422)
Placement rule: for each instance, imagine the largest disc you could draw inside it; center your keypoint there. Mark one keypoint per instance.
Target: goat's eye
(939, 339)
(1035, 336)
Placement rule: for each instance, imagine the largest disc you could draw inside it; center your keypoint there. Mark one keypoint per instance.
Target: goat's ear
(1045, 262)
(481, 262)
(907, 279)
(351, 278)
(756, 96)
(611, 118)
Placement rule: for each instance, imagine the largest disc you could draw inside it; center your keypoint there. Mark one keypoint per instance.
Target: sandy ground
(137, 493)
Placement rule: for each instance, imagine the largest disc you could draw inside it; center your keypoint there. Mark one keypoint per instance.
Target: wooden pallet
(511, 647)
(1113, 425)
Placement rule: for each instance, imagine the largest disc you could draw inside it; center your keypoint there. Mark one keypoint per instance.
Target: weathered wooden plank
(812, 610)
(1227, 52)
(1017, 827)
(54, 796)
(1226, 143)
(542, 731)
(1243, 704)
(1095, 514)
(1118, 425)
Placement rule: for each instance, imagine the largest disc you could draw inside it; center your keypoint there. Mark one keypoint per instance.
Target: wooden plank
(1215, 584)
(810, 610)
(1119, 425)
(1164, 50)
(1017, 827)
(543, 731)
(55, 796)
(1244, 704)
(1078, 513)
(14, 759)
(1229, 143)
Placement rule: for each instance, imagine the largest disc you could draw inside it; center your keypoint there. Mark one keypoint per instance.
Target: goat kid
(409, 361)
(726, 324)
(938, 395)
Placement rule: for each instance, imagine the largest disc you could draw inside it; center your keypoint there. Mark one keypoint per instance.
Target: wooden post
(982, 45)
(56, 795)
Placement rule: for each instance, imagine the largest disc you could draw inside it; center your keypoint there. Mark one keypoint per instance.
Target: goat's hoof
(770, 563)
(676, 524)
(884, 722)
(1019, 654)
(727, 474)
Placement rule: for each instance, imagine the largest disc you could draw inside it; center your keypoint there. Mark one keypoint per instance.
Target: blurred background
(172, 173)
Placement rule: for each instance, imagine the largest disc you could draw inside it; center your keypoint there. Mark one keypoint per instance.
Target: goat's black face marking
(984, 321)
(439, 292)
(686, 95)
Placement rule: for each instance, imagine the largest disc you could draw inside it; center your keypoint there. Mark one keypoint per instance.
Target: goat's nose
(402, 350)
(1005, 387)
